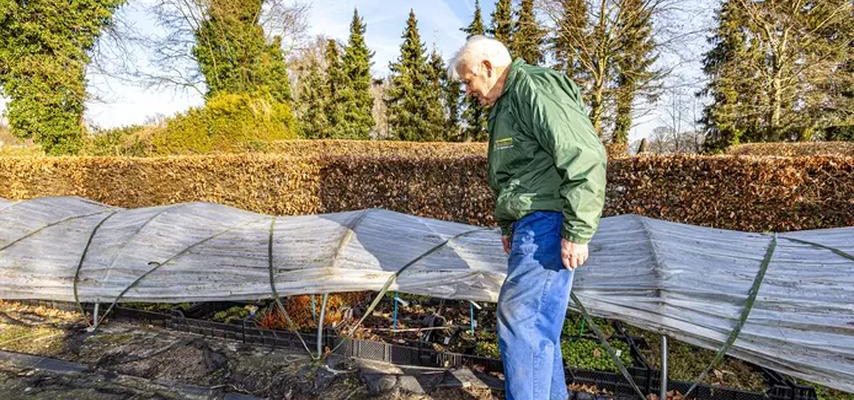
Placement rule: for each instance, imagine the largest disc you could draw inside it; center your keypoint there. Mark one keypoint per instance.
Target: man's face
(479, 80)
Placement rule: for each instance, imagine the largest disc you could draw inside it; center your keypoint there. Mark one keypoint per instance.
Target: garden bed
(432, 332)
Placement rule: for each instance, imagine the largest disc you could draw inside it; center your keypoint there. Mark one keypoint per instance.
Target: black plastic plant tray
(647, 379)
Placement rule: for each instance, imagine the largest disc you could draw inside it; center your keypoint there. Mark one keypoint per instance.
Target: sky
(118, 102)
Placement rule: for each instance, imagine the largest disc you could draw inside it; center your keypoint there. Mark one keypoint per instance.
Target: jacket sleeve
(563, 130)
(506, 228)
(505, 225)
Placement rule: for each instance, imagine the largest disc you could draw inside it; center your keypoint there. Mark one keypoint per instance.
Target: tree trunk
(623, 120)
(596, 107)
(777, 89)
(642, 146)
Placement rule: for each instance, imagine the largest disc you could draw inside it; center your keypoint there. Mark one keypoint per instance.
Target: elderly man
(547, 169)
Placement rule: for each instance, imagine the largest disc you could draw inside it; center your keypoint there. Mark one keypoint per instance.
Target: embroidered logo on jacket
(504, 143)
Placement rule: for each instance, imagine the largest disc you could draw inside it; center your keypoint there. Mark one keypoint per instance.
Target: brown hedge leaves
(448, 181)
(743, 193)
(794, 149)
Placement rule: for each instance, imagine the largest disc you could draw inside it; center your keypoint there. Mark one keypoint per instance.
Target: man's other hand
(572, 254)
(505, 241)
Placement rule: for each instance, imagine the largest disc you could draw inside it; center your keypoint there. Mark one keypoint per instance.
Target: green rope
(745, 312)
(391, 279)
(31, 233)
(291, 325)
(610, 350)
(819, 245)
(80, 266)
(157, 266)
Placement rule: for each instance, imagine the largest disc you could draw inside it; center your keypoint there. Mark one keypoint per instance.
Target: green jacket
(544, 153)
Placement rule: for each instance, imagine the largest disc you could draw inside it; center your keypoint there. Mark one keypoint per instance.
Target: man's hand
(505, 241)
(572, 254)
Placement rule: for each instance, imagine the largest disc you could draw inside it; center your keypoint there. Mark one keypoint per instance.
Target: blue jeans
(532, 308)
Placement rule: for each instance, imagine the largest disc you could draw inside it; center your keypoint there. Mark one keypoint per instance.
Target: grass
(33, 329)
(27, 339)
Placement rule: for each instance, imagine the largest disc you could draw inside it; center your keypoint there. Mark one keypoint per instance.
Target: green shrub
(228, 122)
(232, 314)
(576, 325)
(590, 354)
(487, 344)
(123, 141)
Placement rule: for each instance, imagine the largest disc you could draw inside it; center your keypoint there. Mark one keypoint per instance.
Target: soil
(129, 360)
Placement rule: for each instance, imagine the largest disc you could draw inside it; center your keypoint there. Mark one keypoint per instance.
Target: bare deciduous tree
(802, 43)
(160, 54)
(612, 48)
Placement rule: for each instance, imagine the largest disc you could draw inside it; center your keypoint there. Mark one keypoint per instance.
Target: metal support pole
(320, 326)
(313, 308)
(471, 318)
(473, 322)
(394, 313)
(94, 319)
(663, 390)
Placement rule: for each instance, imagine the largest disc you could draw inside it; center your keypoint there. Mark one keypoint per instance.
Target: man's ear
(487, 65)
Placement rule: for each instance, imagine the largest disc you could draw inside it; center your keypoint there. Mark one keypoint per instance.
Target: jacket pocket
(503, 207)
(512, 202)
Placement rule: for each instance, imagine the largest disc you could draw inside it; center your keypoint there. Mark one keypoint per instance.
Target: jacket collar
(515, 66)
(510, 81)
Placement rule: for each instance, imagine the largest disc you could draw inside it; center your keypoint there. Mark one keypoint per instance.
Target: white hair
(477, 49)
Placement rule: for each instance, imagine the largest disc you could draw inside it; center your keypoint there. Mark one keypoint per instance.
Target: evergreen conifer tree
(411, 99)
(476, 25)
(312, 103)
(453, 101)
(474, 115)
(528, 37)
(449, 91)
(502, 22)
(333, 104)
(435, 97)
(720, 117)
(234, 55)
(355, 96)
